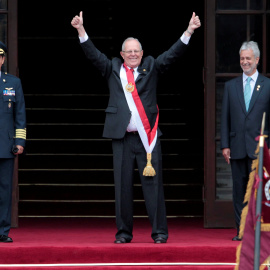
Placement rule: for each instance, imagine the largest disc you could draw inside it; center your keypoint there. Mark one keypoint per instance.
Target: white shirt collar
(254, 76)
(135, 69)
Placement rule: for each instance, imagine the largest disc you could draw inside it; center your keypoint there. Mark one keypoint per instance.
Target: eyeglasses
(130, 52)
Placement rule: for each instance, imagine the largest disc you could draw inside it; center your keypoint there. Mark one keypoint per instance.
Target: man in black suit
(12, 140)
(245, 100)
(132, 124)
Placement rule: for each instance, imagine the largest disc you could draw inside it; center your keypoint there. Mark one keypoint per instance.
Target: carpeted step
(96, 161)
(87, 176)
(90, 240)
(102, 208)
(104, 146)
(124, 267)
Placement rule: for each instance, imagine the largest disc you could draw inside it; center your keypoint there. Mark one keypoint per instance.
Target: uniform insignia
(9, 88)
(4, 80)
(258, 87)
(130, 87)
(9, 92)
(144, 69)
(9, 105)
(21, 133)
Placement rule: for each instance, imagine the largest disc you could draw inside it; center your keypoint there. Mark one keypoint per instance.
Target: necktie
(247, 92)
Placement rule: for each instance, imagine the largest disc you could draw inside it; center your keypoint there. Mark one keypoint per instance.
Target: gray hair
(251, 45)
(130, 38)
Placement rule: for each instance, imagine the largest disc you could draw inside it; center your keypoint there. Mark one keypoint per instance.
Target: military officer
(12, 139)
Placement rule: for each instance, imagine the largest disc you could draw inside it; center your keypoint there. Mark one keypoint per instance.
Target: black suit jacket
(240, 128)
(117, 113)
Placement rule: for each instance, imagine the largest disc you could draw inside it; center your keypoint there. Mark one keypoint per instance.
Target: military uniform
(12, 133)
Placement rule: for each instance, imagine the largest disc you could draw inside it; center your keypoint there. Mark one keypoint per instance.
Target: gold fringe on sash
(149, 170)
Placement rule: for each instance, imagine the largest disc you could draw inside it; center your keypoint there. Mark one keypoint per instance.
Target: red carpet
(90, 240)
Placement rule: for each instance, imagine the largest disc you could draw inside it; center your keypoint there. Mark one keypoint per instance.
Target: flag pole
(259, 200)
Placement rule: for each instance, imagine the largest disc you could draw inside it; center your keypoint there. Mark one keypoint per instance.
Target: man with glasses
(132, 124)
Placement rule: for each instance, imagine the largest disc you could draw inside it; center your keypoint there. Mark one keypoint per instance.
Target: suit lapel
(240, 92)
(143, 72)
(116, 68)
(256, 92)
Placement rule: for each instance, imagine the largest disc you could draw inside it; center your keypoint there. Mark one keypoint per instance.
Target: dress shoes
(237, 238)
(5, 239)
(121, 240)
(160, 240)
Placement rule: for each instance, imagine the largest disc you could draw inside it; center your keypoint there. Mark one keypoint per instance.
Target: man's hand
(77, 22)
(226, 152)
(194, 23)
(20, 150)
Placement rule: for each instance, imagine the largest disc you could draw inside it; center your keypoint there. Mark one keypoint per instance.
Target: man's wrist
(190, 31)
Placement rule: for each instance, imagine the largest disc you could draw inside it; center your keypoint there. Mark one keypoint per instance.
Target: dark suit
(12, 132)
(239, 128)
(128, 147)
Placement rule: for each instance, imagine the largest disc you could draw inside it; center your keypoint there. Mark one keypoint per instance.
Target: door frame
(12, 63)
(212, 207)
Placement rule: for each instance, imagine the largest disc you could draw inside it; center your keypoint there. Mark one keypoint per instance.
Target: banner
(245, 251)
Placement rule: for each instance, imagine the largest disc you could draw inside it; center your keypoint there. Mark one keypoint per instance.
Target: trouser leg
(153, 191)
(124, 159)
(241, 169)
(6, 179)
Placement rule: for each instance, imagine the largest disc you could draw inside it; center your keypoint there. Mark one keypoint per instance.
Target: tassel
(149, 170)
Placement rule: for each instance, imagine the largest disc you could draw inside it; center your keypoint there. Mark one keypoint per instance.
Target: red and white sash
(147, 135)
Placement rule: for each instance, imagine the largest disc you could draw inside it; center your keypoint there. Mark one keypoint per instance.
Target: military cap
(3, 48)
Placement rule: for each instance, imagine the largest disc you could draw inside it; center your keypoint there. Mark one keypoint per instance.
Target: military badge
(9, 92)
(130, 87)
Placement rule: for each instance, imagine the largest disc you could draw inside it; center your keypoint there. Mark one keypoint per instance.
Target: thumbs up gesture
(77, 21)
(194, 23)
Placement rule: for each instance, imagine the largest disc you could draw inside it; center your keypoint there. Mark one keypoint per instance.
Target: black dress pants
(126, 152)
(6, 179)
(241, 169)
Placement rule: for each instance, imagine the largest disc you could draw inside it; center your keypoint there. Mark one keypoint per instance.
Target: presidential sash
(147, 135)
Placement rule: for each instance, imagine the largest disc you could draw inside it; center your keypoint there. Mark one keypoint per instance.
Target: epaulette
(10, 75)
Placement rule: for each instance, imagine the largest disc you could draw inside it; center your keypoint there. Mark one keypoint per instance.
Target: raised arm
(77, 22)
